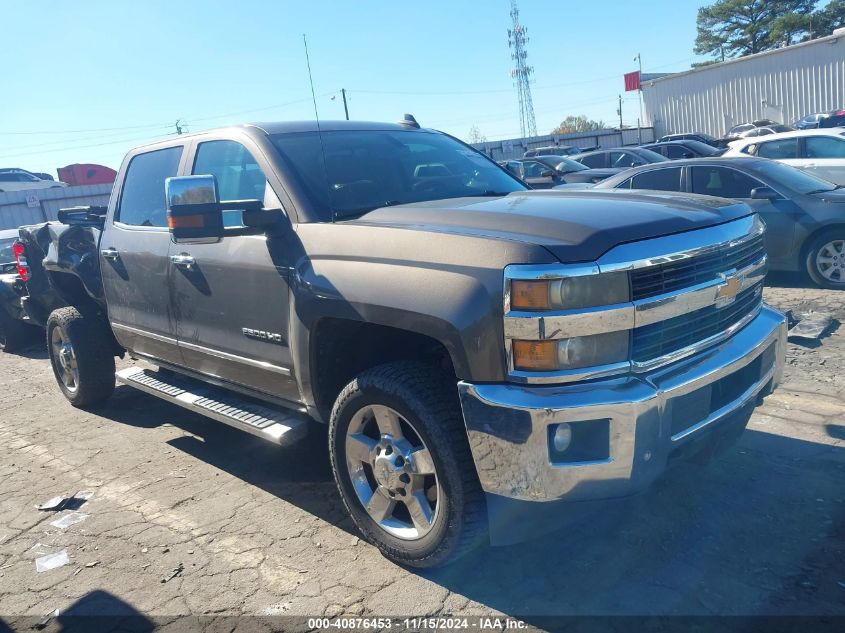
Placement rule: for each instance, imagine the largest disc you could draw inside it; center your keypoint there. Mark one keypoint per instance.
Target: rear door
(824, 156)
(232, 303)
(134, 258)
(779, 215)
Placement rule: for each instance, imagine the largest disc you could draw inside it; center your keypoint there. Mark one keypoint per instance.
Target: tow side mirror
(764, 193)
(194, 209)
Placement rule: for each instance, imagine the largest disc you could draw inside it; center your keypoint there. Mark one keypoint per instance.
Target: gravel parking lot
(188, 516)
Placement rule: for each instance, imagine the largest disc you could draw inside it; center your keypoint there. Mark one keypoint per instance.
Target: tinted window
(825, 147)
(625, 159)
(660, 179)
(353, 172)
(7, 177)
(782, 148)
(677, 151)
(142, 201)
(567, 166)
(722, 182)
(792, 178)
(593, 160)
(7, 256)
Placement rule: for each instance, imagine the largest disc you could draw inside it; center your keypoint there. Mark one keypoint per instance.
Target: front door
(134, 258)
(232, 298)
(779, 214)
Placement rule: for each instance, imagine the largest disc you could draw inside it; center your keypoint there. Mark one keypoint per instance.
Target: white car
(820, 152)
(22, 180)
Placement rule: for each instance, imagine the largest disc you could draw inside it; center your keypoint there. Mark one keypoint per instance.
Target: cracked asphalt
(191, 517)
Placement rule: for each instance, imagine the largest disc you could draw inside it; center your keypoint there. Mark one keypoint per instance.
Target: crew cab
(483, 354)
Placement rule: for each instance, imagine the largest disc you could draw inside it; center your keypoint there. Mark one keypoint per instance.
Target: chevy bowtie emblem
(728, 290)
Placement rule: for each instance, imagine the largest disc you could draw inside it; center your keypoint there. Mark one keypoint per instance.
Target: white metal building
(782, 84)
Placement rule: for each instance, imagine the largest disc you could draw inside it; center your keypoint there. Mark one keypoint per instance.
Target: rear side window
(825, 147)
(783, 148)
(658, 179)
(142, 201)
(722, 182)
(677, 151)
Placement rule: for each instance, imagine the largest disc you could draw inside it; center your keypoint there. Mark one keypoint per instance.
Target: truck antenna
(319, 130)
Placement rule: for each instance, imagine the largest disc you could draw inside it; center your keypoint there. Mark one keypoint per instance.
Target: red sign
(632, 81)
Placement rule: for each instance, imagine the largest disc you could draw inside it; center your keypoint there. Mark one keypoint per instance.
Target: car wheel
(14, 334)
(81, 356)
(403, 466)
(825, 260)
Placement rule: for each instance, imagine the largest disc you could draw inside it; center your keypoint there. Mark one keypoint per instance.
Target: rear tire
(433, 515)
(825, 260)
(14, 334)
(81, 356)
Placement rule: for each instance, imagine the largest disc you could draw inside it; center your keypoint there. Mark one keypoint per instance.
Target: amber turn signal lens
(185, 221)
(535, 355)
(529, 295)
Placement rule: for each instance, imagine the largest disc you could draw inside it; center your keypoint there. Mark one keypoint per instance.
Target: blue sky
(86, 81)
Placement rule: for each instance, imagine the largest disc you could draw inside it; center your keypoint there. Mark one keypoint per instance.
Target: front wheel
(81, 356)
(403, 466)
(825, 260)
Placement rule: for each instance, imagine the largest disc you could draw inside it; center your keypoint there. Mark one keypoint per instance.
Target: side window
(533, 169)
(593, 161)
(668, 179)
(825, 147)
(725, 183)
(238, 175)
(783, 148)
(675, 151)
(625, 184)
(142, 200)
(623, 159)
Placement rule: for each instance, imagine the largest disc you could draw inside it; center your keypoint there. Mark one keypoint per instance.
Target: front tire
(81, 356)
(825, 260)
(403, 466)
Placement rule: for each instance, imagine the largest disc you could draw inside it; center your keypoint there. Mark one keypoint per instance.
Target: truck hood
(574, 225)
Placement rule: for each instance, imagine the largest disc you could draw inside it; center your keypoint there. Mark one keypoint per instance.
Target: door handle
(183, 260)
(110, 253)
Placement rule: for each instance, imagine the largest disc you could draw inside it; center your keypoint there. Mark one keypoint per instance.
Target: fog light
(562, 437)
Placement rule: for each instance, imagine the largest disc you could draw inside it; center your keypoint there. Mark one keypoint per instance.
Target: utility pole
(345, 108)
(639, 59)
(619, 111)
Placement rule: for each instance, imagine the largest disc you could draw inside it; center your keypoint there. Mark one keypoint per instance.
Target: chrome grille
(662, 338)
(663, 278)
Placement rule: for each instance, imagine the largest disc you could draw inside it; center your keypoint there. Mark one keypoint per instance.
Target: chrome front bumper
(651, 416)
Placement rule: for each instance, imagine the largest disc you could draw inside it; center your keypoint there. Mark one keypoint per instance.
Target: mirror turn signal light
(535, 355)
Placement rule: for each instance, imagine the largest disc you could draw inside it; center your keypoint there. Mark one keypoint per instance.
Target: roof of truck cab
(283, 127)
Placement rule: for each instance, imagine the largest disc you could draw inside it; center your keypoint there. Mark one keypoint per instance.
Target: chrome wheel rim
(392, 472)
(64, 359)
(830, 261)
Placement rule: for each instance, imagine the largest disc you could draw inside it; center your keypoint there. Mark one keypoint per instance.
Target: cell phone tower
(517, 39)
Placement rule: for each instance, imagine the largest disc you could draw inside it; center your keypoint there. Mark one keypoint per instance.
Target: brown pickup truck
(484, 355)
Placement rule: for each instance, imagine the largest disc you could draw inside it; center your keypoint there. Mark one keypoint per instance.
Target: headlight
(570, 293)
(571, 353)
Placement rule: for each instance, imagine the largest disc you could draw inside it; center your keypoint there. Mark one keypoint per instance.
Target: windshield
(702, 148)
(363, 170)
(799, 181)
(7, 256)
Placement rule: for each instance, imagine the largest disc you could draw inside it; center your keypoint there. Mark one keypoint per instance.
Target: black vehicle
(618, 158)
(552, 150)
(810, 121)
(545, 172)
(835, 118)
(701, 137)
(16, 330)
(674, 150)
(803, 214)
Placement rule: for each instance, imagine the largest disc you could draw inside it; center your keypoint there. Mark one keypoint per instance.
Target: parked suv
(483, 355)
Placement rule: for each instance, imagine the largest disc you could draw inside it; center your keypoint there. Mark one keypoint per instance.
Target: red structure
(632, 81)
(86, 174)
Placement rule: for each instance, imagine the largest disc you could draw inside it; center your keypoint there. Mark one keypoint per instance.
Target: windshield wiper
(355, 213)
(488, 193)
